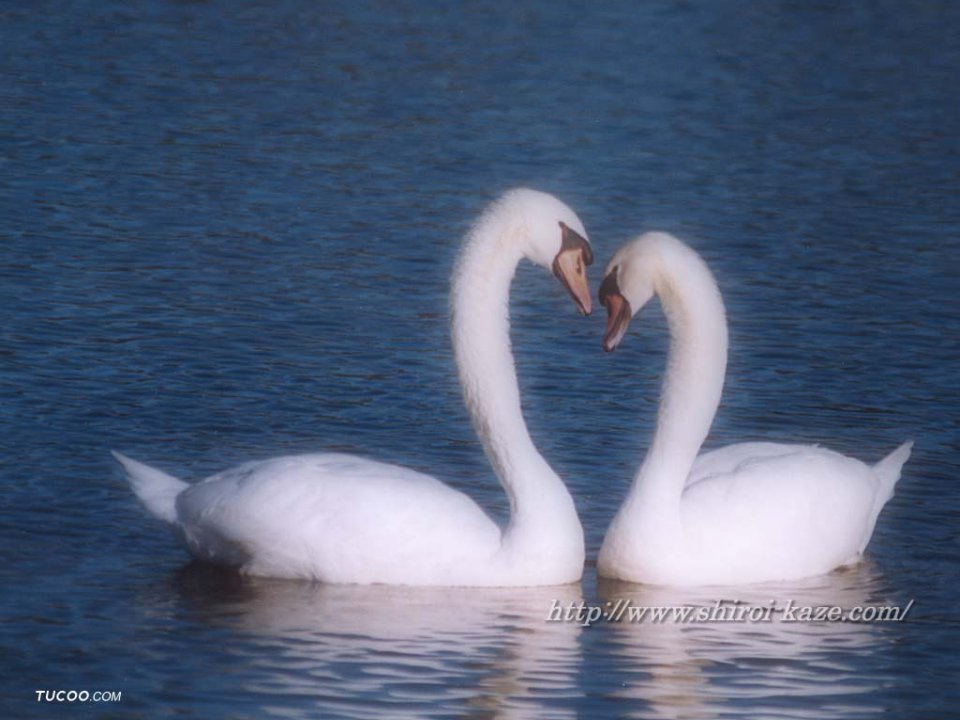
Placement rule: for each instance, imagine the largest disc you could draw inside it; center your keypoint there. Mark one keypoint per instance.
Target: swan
(745, 513)
(338, 518)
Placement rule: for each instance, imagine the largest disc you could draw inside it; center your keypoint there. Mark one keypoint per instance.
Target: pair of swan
(745, 513)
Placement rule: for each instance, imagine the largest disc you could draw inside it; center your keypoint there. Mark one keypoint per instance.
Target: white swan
(745, 513)
(343, 519)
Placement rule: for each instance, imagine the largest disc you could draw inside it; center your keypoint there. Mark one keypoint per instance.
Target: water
(227, 230)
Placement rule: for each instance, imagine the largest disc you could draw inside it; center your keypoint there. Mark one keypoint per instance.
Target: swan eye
(570, 239)
(610, 286)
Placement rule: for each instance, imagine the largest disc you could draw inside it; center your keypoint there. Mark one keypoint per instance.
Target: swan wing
(727, 459)
(335, 518)
(783, 512)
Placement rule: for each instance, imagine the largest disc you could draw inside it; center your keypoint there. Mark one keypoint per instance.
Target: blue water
(227, 230)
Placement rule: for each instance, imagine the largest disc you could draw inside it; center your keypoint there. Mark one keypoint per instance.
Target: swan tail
(888, 470)
(156, 490)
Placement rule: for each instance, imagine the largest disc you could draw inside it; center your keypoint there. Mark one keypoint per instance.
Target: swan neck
(696, 366)
(481, 343)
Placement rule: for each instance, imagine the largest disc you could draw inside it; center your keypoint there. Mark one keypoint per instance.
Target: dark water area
(227, 231)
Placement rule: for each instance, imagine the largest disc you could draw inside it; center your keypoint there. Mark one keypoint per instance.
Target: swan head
(570, 266)
(629, 283)
(554, 238)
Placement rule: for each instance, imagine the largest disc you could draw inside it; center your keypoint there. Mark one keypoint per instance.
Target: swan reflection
(389, 651)
(762, 669)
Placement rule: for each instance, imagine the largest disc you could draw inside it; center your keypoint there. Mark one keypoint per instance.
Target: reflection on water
(768, 668)
(426, 652)
(420, 651)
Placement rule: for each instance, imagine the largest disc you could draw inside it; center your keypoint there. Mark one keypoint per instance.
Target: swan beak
(618, 312)
(570, 267)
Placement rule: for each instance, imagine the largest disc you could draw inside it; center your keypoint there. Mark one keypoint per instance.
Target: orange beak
(570, 267)
(618, 312)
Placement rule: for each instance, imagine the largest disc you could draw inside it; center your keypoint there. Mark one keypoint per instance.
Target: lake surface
(227, 231)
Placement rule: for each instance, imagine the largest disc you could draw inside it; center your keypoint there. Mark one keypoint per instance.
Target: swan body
(749, 512)
(338, 518)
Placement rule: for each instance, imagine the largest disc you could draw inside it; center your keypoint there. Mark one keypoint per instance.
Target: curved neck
(696, 366)
(481, 344)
